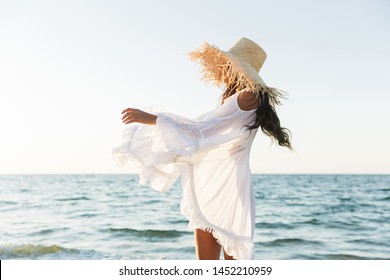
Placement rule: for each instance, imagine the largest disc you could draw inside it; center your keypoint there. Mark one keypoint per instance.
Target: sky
(68, 69)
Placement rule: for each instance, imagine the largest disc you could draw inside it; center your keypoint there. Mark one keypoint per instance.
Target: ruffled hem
(240, 248)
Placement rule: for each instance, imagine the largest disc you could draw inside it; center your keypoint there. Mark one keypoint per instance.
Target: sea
(113, 217)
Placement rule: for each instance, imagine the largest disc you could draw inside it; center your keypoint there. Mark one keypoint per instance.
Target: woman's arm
(131, 115)
(247, 101)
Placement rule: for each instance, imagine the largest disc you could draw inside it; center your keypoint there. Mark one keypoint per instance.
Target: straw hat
(240, 64)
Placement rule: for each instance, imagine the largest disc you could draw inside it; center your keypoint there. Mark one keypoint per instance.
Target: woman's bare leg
(227, 257)
(207, 247)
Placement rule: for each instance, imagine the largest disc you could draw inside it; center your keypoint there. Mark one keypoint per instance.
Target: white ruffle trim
(240, 248)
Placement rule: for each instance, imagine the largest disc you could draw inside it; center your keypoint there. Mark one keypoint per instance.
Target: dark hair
(268, 121)
(266, 117)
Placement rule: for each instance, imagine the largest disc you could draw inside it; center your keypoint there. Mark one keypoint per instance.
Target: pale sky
(68, 68)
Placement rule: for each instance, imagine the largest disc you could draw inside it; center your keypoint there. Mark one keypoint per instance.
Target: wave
(32, 251)
(370, 242)
(73, 198)
(149, 233)
(289, 241)
(86, 215)
(340, 257)
(355, 226)
(47, 231)
(176, 222)
(346, 225)
(326, 257)
(313, 221)
(43, 232)
(6, 202)
(263, 225)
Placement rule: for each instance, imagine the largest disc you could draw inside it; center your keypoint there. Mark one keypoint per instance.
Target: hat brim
(223, 68)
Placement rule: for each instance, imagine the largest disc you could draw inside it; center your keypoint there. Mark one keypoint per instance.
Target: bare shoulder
(247, 101)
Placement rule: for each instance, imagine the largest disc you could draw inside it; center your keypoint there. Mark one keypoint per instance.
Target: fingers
(127, 119)
(131, 115)
(128, 110)
(128, 115)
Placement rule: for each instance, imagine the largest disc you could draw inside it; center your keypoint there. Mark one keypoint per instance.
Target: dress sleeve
(184, 136)
(155, 150)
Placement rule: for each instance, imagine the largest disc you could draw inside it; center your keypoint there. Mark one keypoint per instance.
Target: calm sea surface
(113, 217)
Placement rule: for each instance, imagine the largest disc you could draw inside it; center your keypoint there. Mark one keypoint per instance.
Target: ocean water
(113, 217)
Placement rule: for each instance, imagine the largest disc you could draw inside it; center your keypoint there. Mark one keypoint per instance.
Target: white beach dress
(211, 155)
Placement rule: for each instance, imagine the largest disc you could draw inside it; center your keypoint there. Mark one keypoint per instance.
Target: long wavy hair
(266, 117)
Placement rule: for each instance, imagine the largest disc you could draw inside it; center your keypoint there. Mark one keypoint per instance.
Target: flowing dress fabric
(211, 155)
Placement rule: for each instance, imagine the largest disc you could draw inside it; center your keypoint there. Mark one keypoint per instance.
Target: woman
(211, 153)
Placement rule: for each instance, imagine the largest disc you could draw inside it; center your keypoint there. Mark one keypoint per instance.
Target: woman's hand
(131, 115)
